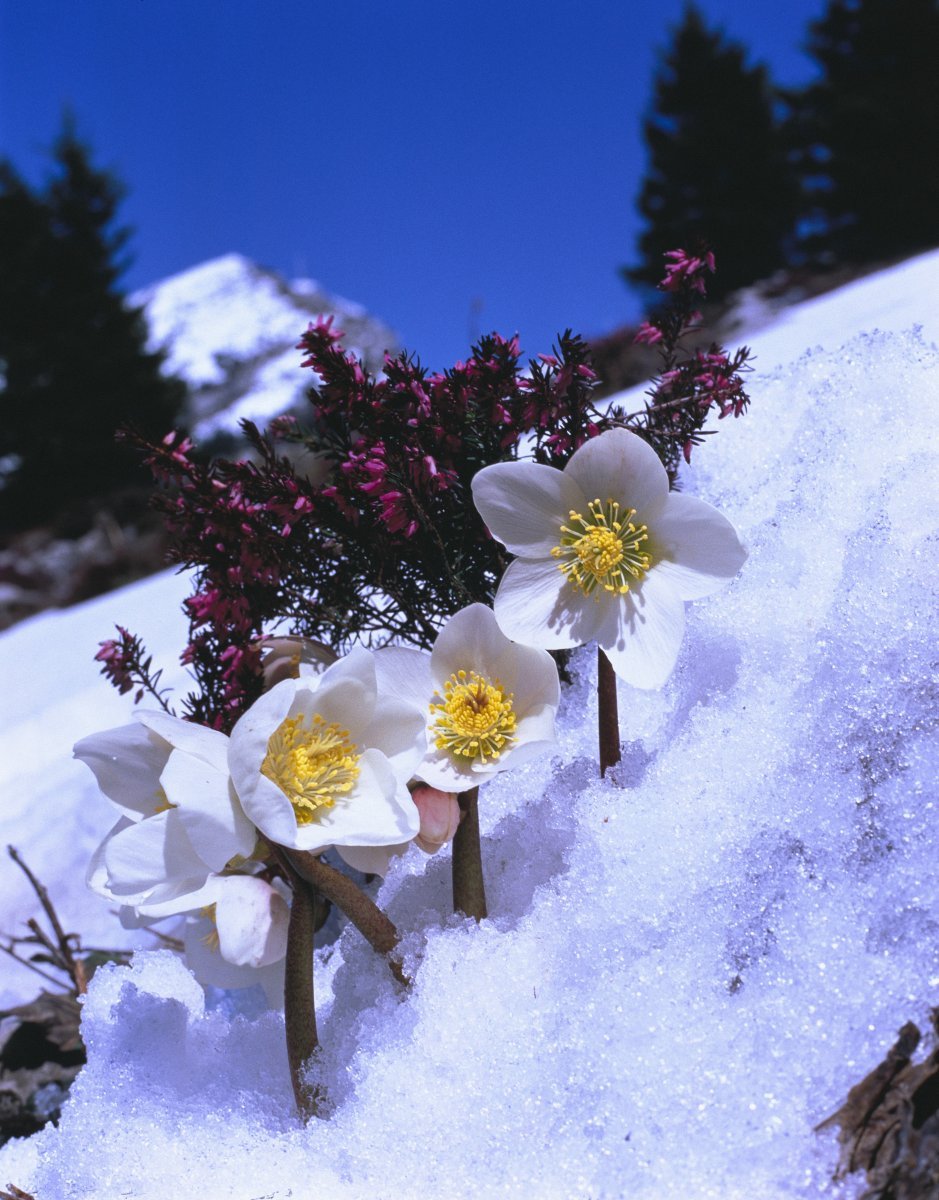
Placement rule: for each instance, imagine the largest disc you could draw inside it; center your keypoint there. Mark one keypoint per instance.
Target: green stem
(607, 713)
(365, 915)
(469, 889)
(299, 1009)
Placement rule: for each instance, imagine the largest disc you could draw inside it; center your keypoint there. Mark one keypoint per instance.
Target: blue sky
(455, 167)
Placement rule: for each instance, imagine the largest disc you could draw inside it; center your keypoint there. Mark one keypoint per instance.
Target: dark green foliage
(717, 170)
(866, 132)
(72, 355)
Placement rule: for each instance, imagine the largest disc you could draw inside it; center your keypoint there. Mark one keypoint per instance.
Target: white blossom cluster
(367, 754)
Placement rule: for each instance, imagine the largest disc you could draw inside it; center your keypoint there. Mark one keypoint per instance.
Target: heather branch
(126, 665)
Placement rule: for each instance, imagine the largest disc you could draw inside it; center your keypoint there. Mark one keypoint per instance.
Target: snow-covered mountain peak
(230, 328)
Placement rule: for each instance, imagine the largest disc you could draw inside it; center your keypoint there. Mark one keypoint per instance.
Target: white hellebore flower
(489, 704)
(239, 936)
(323, 760)
(181, 818)
(604, 552)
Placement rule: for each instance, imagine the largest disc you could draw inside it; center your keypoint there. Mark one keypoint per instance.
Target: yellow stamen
(210, 939)
(603, 548)
(163, 802)
(312, 763)
(475, 718)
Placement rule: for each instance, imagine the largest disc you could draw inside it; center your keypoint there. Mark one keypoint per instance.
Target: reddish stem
(469, 888)
(607, 713)
(299, 1008)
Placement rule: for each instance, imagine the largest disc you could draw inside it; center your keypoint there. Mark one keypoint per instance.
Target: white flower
(605, 552)
(181, 819)
(323, 760)
(488, 703)
(239, 937)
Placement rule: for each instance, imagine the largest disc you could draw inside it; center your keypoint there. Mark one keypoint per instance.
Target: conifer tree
(867, 131)
(717, 169)
(73, 359)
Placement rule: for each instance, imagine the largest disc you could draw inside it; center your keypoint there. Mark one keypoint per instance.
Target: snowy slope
(899, 298)
(681, 976)
(230, 329)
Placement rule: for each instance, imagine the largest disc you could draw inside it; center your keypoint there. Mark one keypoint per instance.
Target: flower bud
(286, 658)
(440, 817)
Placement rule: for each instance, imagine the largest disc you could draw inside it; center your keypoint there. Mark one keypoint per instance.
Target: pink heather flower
(116, 666)
(395, 515)
(647, 334)
(686, 270)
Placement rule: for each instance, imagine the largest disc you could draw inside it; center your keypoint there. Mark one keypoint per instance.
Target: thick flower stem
(299, 1010)
(607, 713)
(365, 915)
(469, 889)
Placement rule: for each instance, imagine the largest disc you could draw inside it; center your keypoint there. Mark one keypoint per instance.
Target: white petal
(177, 896)
(405, 674)
(693, 545)
(207, 744)
(531, 675)
(251, 919)
(346, 693)
(398, 731)
(446, 771)
(619, 465)
(537, 606)
(525, 752)
(96, 876)
(126, 762)
(470, 641)
(524, 505)
(271, 811)
(247, 745)
(536, 725)
(643, 632)
(208, 808)
(149, 853)
(210, 968)
(344, 700)
(371, 860)
(378, 811)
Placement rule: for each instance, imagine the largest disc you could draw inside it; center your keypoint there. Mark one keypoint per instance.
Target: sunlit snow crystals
(312, 762)
(605, 550)
(475, 720)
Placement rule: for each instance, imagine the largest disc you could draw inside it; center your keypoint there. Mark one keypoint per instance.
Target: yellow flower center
(475, 718)
(312, 763)
(603, 548)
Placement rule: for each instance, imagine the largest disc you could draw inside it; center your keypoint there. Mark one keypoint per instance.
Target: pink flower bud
(440, 817)
(283, 657)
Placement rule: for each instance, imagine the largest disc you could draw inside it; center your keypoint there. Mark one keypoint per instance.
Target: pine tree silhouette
(867, 131)
(717, 170)
(73, 359)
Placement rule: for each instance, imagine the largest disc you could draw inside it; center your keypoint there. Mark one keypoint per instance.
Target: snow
(681, 975)
(240, 301)
(230, 329)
